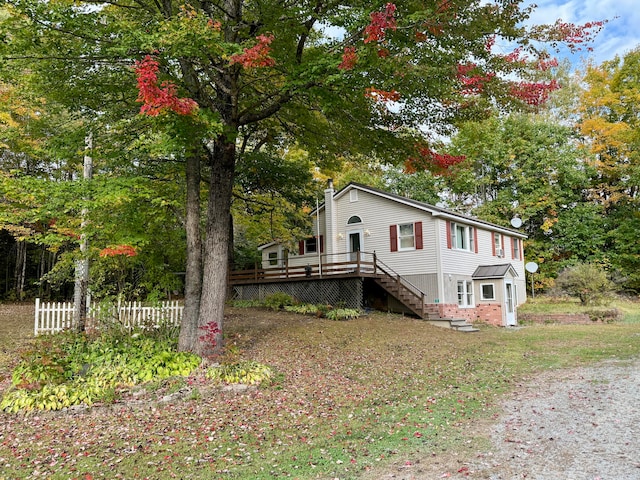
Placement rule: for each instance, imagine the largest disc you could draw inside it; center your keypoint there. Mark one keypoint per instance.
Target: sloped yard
(376, 396)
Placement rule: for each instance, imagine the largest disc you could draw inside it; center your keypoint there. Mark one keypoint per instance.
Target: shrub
(605, 316)
(278, 300)
(587, 281)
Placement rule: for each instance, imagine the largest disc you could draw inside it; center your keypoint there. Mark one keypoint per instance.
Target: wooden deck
(366, 265)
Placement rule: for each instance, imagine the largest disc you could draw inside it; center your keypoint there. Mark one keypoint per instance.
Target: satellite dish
(516, 222)
(531, 267)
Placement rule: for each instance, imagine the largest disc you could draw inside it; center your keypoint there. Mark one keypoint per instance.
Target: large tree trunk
(214, 283)
(193, 277)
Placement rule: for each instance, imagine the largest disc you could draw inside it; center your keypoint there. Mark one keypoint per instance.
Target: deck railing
(334, 264)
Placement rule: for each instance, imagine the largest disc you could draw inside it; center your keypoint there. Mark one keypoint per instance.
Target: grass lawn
(351, 398)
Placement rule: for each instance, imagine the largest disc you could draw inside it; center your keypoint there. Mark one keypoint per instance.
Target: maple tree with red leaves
(314, 91)
(534, 93)
(429, 159)
(256, 56)
(380, 23)
(349, 59)
(159, 98)
(472, 82)
(118, 250)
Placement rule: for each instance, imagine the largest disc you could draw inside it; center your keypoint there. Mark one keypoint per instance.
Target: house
(373, 248)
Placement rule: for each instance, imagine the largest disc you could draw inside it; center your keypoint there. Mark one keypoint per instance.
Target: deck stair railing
(400, 287)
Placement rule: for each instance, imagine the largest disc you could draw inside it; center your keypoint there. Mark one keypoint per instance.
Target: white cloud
(619, 35)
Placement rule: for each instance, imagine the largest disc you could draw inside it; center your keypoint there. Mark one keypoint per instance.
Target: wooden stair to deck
(413, 299)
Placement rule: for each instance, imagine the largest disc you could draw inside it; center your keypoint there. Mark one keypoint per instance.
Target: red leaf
(256, 56)
(157, 99)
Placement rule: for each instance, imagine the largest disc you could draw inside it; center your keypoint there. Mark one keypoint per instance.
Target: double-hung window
(462, 237)
(515, 242)
(406, 236)
(465, 293)
(311, 245)
(497, 245)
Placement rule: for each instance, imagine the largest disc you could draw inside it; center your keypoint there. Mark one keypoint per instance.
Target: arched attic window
(354, 219)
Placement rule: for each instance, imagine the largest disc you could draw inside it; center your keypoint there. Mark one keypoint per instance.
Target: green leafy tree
(529, 167)
(610, 125)
(241, 76)
(587, 281)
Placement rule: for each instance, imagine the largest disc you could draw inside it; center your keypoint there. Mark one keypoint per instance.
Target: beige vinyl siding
(377, 215)
(460, 264)
(427, 283)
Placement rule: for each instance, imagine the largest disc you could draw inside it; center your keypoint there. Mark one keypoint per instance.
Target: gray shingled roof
(493, 271)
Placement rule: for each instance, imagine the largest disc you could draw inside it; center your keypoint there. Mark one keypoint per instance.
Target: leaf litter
(351, 398)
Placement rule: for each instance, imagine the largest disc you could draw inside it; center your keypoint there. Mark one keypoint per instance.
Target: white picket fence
(52, 317)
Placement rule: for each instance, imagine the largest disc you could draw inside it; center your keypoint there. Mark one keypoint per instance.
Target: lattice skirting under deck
(347, 292)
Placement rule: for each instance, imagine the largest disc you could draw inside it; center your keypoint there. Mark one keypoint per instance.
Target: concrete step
(457, 324)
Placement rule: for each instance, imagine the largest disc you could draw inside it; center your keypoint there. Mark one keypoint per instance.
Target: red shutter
(321, 243)
(493, 243)
(448, 234)
(301, 247)
(520, 252)
(418, 231)
(393, 237)
(475, 239)
(513, 253)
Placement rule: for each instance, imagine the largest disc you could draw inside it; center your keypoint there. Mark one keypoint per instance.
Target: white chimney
(330, 221)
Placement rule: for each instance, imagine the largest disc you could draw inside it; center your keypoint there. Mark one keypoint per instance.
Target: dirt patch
(577, 424)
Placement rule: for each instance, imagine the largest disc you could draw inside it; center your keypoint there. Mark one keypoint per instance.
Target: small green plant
(247, 373)
(246, 303)
(343, 314)
(278, 300)
(303, 309)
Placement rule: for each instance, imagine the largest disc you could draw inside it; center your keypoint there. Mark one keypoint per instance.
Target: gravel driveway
(579, 424)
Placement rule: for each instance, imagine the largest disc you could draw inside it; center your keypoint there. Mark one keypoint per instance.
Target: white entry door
(509, 303)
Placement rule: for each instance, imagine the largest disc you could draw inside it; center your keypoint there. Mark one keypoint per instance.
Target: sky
(620, 35)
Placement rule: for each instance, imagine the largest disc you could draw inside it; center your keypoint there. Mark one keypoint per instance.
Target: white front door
(509, 303)
(354, 245)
